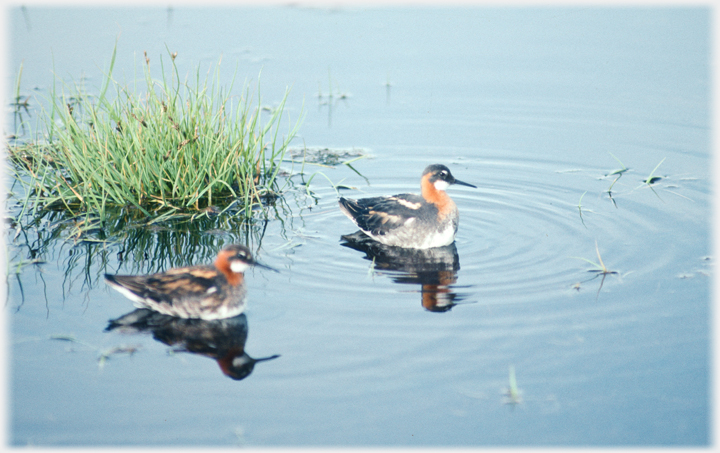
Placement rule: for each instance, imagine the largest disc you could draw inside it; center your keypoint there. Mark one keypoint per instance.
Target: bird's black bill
(256, 264)
(263, 359)
(457, 181)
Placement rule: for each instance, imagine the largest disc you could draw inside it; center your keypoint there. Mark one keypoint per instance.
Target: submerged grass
(171, 148)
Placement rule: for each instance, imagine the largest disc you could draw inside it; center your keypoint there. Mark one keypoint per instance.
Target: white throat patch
(238, 267)
(441, 185)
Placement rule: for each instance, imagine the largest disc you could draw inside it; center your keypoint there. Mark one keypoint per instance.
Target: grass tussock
(163, 146)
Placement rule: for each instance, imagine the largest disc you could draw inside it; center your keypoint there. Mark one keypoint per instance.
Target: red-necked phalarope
(205, 292)
(410, 220)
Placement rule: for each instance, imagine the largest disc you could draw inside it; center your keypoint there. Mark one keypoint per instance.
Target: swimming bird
(409, 220)
(207, 292)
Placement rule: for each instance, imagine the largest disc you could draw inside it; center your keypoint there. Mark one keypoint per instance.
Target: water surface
(535, 106)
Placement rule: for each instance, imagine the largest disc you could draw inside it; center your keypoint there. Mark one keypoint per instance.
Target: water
(530, 105)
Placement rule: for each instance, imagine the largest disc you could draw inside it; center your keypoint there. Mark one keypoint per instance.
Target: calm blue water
(529, 104)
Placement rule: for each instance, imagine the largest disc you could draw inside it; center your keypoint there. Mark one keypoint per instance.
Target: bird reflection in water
(222, 339)
(434, 269)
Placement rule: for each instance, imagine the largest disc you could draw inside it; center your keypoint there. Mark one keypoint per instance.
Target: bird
(409, 220)
(208, 292)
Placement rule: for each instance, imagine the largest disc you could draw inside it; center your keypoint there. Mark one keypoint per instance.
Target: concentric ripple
(529, 231)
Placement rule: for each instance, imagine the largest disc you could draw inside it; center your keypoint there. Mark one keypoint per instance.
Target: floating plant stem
(371, 268)
(619, 171)
(332, 184)
(513, 393)
(347, 163)
(122, 349)
(597, 250)
(651, 179)
(580, 209)
(599, 269)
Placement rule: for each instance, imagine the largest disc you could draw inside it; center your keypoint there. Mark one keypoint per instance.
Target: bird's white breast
(442, 238)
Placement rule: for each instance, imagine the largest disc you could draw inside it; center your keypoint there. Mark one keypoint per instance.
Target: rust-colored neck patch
(226, 361)
(222, 263)
(437, 197)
